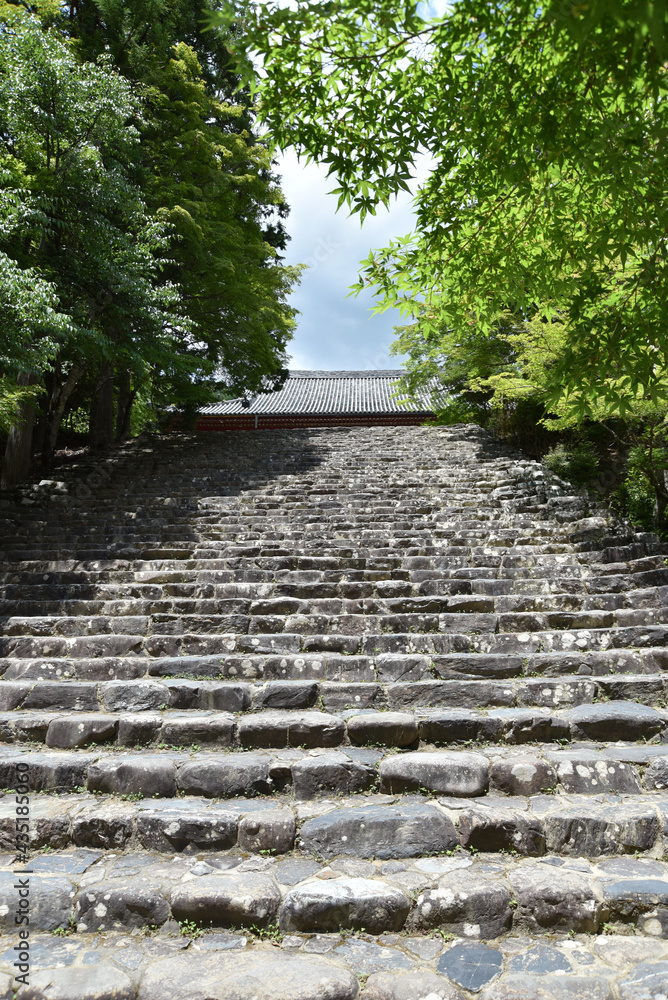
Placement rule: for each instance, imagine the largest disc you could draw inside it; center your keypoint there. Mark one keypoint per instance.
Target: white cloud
(336, 332)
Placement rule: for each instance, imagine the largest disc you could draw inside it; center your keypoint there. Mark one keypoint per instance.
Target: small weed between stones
(444, 935)
(190, 929)
(271, 933)
(69, 928)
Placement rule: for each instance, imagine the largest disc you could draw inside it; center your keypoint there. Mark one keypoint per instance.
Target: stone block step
(356, 690)
(465, 632)
(620, 720)
(457, 896)
(454, 613)
(347, 965)
(373, 826)
(153, 693)
(454, 651)
(582, 769)
(384, 658)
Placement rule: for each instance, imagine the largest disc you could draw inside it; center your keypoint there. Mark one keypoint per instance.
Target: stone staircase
(370, 713)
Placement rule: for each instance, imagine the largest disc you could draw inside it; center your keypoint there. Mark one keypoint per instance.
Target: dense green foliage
(546, 129)
(140, 221)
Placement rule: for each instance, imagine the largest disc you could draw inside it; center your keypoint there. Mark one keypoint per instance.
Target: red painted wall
(246, 422)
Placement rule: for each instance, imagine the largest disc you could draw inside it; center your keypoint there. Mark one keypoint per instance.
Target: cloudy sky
(336, 332)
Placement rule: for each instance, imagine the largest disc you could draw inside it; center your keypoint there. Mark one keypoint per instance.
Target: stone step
(297, 774)
(400, 657)
(458, 637)
(440, 557)
(152, 693)
(621, 720)
(629, 608)
(265, 964)
(197, 606)
(463, 896)
(375, 695)
(395, 596)
(372, 826)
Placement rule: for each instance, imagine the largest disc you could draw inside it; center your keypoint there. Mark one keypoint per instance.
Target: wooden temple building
(319, 399)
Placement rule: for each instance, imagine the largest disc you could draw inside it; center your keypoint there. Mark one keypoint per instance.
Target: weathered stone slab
(271, 829)
(286, 694)
(138, 775)
(226, 776)
(105, 825)
(490, 826)
(330, 774)
(104, 981)
(526, 775)
(647, 980)
(521, 986)
(524, 725)
(622, 720)
(280, 729)
(583, 771)
(188, 825)
(120, 907)
(591, 828)
(227, 900)
(541, 959)
(48, 771)
(465, 906)
(554, 899)
(216, 728)
(134, 696)
(389, 729)
(656, 775)
(448, 773)
(470, 965)
(458, 726)
(82, 730)
(355, 903)
(46, 900)
(423, 984)
(376, 831)
(258, 975)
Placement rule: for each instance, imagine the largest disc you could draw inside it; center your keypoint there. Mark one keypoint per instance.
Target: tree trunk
(125, 399)
(59, 397)
(40, 425)
(661, 499)
(102, 408)
(19, 443)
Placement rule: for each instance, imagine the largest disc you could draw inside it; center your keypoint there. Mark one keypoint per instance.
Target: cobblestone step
(474, 897)
(471, 771)
(276, 728)
(345, 966)
(461, 636)
(376, 825)
(151, 692)
(351, 714)
(282, 656)
(424, 611)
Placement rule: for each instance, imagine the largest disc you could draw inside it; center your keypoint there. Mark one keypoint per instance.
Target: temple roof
(326, 393)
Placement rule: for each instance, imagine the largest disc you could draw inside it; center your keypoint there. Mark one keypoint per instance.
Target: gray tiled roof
(326, 392)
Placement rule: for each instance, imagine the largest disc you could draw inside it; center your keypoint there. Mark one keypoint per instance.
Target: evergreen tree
(136, 200)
